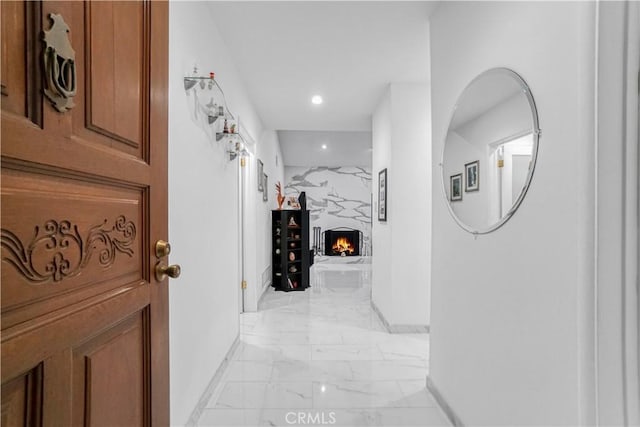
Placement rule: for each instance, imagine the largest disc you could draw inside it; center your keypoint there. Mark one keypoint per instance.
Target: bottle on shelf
(225, 129)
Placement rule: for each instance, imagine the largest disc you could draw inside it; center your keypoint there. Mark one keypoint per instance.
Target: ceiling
(304, 148)
(345, 51)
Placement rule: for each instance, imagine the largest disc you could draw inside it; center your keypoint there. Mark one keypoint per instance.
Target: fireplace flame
(343, 245)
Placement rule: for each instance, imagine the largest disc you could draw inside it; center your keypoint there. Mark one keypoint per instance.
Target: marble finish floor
(322, 357)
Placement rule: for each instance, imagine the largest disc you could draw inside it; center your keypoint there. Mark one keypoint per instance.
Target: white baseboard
(443, 404)
(399, 329)
(211, 387)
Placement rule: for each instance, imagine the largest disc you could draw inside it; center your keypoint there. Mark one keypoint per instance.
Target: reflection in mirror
(492, 142)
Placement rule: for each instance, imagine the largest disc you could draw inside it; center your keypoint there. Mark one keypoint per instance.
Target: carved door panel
(84, 180)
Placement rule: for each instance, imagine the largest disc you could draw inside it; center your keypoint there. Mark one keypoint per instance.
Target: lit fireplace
(342, 242)
(343, 245)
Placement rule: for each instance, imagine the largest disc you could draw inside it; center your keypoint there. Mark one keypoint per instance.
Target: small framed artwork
(382, 195)
(472, 175)
(265, 185)
(455, 187)
(260, 177)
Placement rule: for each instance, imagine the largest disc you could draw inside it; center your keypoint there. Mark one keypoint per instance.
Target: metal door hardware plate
(59, 65)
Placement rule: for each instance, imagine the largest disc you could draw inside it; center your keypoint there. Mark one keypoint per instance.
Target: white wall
(336, 197)
(511, 336)
(401, 246)
(617, 187)
(258, 217)
(381, 276)
(204, 209)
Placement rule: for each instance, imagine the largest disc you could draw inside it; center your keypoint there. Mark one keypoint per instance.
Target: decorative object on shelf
(212, 111)
(292, 245)
(236, 149)
(382, 195)
(278, 251)
(292, 222)
(213, 115)
(472, 176)
(293, 202)
(297, 236)
(59, 65)
(292, 256)
(265, 182)
(293, 269)
(225, 129)
(455, 187)
(260, 173)
(232, 128)
(280, 198)
(195, 79)
(290, 284)
(302, 200)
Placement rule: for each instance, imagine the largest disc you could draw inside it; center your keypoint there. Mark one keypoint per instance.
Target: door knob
(162, 271)
(163, 249)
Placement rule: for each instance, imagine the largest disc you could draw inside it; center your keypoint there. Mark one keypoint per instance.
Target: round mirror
(490, 150)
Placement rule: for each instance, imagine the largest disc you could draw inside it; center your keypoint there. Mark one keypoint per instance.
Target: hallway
(322, 357)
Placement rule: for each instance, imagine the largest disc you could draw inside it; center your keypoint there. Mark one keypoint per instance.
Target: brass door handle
(162, 271)
(163, 249)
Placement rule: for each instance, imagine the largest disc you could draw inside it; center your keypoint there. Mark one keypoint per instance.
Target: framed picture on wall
(382, 195)
(472, 175)
(455, 187)
(265, 185)
(260, 177)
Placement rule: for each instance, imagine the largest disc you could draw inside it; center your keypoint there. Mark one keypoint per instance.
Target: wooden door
(84, 320)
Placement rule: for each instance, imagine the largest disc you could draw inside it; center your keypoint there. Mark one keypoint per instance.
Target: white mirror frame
(537, 132)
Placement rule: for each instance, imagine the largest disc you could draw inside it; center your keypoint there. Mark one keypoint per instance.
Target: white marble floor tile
(322, 357)
(289, 396)
(273, 352)
(248, 370)
(345, 352)
(314, 417)
(416, 395)
(400, 347)
(240, 395)
(230, 417)
(409, 417)
(314, 370)
(357, 394)
(269, 336)
(388, 370)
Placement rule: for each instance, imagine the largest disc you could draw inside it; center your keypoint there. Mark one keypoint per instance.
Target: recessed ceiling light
(324, 146)
(317, 99)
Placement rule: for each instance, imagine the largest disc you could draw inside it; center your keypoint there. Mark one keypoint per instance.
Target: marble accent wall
(336, 197)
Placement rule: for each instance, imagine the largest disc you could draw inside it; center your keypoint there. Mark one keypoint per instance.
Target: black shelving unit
(290, 250)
